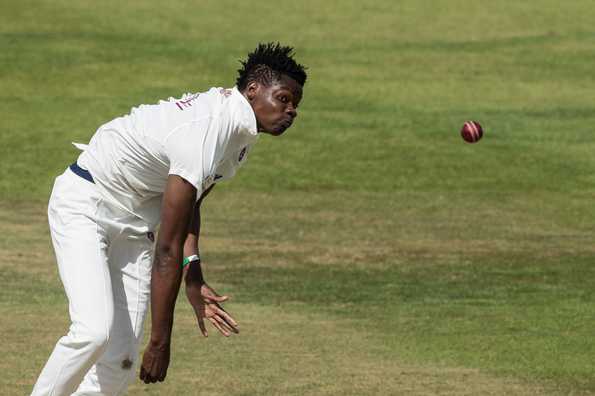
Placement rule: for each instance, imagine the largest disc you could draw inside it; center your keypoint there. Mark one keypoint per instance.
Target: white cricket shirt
(202, 137)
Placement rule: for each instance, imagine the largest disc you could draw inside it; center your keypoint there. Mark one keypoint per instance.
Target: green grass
(369, 250)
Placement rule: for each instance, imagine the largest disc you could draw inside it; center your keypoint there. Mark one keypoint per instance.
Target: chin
(276, 131)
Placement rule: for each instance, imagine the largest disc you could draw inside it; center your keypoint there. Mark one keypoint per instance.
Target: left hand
(206, 303)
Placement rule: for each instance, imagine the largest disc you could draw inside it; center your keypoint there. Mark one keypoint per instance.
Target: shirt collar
(248, 118)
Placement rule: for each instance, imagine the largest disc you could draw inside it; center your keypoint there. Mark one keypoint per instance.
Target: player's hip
(73, 197)
(77, 200)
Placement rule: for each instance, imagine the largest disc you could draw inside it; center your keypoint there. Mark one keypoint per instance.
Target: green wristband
(190, 259)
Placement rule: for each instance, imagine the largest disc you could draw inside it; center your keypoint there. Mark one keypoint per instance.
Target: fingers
(143, 373)
(212, 298)
(211, 310)
(221, 299)
(220, 325)
(203, 329)
(226, 325)
(152, 369)
(153, 376)
(228, 320)
(211, 295)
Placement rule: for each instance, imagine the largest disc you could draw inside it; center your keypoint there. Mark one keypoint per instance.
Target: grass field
(369, 251)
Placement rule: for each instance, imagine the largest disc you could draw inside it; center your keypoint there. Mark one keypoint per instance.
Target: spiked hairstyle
(266, 65)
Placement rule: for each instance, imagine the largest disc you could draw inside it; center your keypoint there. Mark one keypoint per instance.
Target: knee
(97, 340)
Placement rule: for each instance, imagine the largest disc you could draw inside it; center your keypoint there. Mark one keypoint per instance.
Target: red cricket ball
(471, 131)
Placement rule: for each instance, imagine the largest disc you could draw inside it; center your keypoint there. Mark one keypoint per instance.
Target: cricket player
(152, 167)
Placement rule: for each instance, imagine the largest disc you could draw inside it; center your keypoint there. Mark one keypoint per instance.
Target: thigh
(81, 254)
(130, 260)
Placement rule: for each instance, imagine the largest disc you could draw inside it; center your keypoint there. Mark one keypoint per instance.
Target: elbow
(167, 258)
(163, 249)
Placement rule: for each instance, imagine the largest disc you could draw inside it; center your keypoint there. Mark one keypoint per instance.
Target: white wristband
(190, 259)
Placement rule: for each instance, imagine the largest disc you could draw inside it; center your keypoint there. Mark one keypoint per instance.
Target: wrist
(190, 259)
(159, 341)
(194, 273)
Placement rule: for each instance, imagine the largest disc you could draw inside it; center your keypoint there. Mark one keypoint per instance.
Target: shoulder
(240, 111)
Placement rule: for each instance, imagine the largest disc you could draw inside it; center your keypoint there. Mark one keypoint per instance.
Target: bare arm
(194, 271)
(177, 206)
(205, 301)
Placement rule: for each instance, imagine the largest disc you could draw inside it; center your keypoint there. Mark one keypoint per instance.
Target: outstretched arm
(205, 301)
(177, 206)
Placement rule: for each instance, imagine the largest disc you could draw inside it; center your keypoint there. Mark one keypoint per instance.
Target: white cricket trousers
(104, 259)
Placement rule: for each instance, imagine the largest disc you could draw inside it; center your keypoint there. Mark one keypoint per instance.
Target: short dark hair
(266, 65)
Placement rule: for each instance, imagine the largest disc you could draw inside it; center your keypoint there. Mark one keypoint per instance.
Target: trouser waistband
(81, 172)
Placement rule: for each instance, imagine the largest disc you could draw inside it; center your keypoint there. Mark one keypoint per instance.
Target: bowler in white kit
(152, 167)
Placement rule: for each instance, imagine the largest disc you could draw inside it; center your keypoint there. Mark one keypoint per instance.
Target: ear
(252, 90)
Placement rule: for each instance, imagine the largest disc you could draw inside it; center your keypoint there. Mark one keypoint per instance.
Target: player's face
(275, 106)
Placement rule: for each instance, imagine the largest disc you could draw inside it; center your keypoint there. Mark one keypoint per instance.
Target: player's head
(272, 81)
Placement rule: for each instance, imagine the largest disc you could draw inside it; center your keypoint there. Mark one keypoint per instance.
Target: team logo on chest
(242, 154)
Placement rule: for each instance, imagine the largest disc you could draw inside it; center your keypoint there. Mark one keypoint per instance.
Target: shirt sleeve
(191, 150)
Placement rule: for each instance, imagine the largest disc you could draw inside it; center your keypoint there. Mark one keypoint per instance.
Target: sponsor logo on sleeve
(185, 103)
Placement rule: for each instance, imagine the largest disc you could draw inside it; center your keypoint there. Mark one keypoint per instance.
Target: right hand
(155, 362)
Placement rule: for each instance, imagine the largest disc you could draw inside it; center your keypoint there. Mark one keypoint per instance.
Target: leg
(130, 259)
(81, 255)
